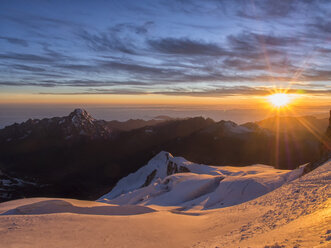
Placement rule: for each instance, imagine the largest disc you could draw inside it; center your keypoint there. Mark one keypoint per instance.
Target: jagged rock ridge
(77, 123)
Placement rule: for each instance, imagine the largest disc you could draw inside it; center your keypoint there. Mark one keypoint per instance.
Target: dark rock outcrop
(149, 178)
(173, 168)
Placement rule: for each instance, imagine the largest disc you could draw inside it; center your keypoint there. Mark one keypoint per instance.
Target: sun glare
(279, 99)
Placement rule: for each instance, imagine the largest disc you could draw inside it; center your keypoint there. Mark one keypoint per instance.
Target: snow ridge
(174, 181)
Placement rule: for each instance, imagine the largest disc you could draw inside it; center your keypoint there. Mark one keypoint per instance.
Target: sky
(165, 52)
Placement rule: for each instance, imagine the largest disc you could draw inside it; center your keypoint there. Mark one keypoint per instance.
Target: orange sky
(239, 101)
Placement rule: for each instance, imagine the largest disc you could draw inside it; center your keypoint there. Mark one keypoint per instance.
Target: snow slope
(174, 181)
(297, 214)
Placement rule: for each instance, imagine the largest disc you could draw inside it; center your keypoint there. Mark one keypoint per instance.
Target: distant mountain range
(79, 123)
(81, 157)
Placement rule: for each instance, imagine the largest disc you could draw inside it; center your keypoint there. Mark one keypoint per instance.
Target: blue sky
(177, 48)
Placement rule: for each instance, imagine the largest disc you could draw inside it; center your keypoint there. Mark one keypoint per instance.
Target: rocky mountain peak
(80, 116)
(81, 113)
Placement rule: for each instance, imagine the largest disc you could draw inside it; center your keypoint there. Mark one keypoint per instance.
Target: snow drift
(38, 206)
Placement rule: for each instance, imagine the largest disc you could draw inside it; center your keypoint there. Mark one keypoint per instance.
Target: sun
(279, 99)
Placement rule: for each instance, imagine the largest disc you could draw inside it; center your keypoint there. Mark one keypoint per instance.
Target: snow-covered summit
(174, 181)
(160, 166)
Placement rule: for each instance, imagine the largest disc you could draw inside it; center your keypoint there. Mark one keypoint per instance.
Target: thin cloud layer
(200, 92)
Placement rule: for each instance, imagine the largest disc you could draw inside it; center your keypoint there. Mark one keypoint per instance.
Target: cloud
(121, 37)
(94, 83)
(38, 21)
(145, 76)
(135, 68)
(207, 92)
(27, 68)
(185, 46)
(176, 53)
(22, 83)
(73, 83)
(125, 68)
(249, 40)
(266, 9)
(316, 75)
(15, 41)
(319, 29)
(106, 42)
(138, 29)
(32, 58)
(269, 9)
(279, 66)
(254, 47)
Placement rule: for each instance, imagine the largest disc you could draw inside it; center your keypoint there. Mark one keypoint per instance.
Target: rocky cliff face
(325, 149)
(328, 131)
(326, 146)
